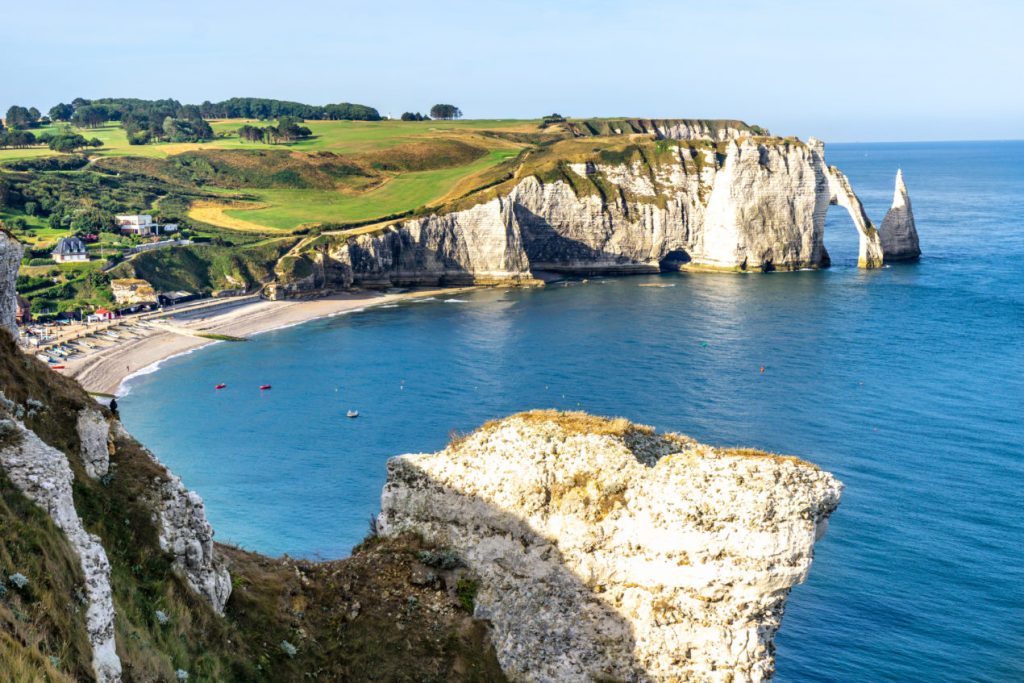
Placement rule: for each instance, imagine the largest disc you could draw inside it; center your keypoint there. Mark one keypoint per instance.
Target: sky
(858, 70)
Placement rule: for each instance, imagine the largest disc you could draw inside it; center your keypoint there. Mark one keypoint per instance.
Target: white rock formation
(10, 260)
(898, 231)
(608, 552)
(749, 204)
(93, 432)
(186, 533)
(44, 475)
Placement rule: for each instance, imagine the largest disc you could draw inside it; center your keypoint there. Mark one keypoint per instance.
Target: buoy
(220, 386)
(264, 387)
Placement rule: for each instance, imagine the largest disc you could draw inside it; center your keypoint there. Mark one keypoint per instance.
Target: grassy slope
(403, 192)
(374, 143)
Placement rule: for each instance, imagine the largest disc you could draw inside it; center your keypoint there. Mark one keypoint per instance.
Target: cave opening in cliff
(674, 260)
(841, 239)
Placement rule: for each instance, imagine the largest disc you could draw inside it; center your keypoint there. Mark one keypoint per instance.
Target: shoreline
(147, 345)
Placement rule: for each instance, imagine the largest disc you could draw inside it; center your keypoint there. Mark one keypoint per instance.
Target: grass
(286, 209)
(340, 137)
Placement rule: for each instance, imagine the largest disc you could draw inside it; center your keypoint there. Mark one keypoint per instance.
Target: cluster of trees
(21, 118)
(61, 141)
(262, 108)
(288, 129)
(410, 116)
(445, 112)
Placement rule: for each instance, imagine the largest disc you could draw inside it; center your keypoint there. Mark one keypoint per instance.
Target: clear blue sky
(844, 71)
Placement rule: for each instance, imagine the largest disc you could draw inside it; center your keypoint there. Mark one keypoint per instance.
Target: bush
(41, 262)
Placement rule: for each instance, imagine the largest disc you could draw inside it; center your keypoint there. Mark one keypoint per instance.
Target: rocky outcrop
(44, 476)
(749, 203)
(93, 433)
(10, 260)
(716, 130)
(185, 533)
(898, 232)
(673, 558)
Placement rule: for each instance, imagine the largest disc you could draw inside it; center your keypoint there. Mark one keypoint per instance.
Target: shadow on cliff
(548, 249)
(547, 621)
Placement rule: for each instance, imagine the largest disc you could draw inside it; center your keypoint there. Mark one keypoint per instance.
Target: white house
(70, 250)
(142, 225)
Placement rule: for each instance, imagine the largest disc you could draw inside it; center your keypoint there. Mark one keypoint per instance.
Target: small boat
(57, 367)
(352, 413)
(264, 387)
(220, 386)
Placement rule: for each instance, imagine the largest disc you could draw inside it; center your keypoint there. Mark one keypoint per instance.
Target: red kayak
(57, 367)
(220, 386)
(264, 387)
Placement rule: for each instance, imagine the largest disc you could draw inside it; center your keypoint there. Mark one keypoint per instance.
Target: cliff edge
(607, 551)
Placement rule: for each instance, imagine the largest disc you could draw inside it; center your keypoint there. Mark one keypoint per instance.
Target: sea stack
(607, 551)
(898, 232)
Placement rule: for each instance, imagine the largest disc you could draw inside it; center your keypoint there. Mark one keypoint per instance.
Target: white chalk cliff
(606, 551)
(44, 475)
(746, 203)
(898, 231)
(10, 261)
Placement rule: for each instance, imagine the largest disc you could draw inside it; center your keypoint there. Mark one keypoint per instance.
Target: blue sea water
(908, 383)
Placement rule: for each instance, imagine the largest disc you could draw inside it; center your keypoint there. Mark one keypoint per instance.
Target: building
(70, 250)
(174, 298)
(142, 225)
(132, 291)
(23, 316)
(101, 315)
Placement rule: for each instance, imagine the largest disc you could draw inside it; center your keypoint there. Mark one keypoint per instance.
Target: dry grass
(212, 212)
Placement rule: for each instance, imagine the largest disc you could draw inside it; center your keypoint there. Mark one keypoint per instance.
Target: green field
(340, 137)
(387, 187)
(289, 208)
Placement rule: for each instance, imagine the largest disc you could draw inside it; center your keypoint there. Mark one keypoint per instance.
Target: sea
(906, 382)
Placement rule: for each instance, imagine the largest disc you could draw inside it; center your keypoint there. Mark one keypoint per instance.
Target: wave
(456, 301)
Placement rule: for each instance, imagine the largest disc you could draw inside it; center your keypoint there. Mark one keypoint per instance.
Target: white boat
(352, 413)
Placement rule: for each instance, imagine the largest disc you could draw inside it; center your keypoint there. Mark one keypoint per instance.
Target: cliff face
(899, 232)
(673, 558)
(747, 203)
(10, 259)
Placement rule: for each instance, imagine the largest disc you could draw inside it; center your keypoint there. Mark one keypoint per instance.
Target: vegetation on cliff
(390, 612)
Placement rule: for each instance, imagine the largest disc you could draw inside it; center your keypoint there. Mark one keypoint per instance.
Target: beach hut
(101, 315)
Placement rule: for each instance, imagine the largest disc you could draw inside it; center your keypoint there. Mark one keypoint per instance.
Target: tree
(62, 112)
(409, 116)
(34, 115)
(90, 116)
(445, 112)
(19, 117)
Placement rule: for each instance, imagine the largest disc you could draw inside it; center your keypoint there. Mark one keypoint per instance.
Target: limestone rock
(186, 534)
(10, 260)
(759, 205)
(93, 433)
(44, 475)
(898, 231)
(609, 552)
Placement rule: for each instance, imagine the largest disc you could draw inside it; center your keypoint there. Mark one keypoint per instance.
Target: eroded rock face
(93, 432)
(10, 260)
(898, 231)
(44, 475)
(186, 533)
(606, 551)
(750, 203)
